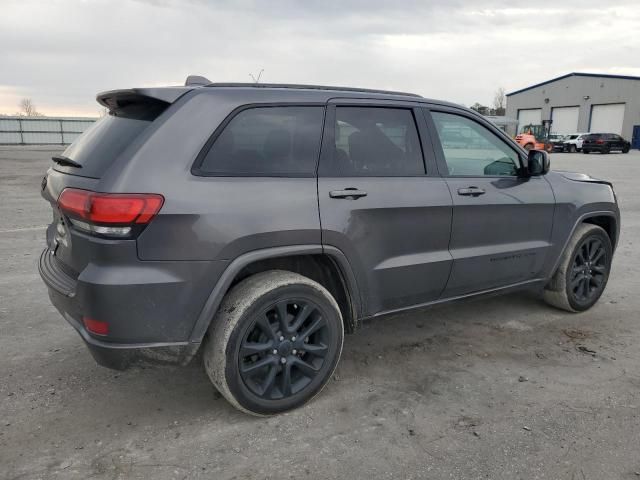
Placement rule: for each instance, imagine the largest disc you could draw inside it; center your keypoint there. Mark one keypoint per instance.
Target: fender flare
(224, 282)
(581, 219)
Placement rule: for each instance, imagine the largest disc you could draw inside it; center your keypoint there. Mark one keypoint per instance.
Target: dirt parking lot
(500, 388)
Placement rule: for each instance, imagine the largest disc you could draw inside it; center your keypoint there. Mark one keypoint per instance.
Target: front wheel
(274, 343)
(528, 146)
(625, 149)
(573, 149)
(583, 271)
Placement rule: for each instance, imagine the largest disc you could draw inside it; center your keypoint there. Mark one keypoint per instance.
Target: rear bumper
(120, 356)
(143, 323)
(594, 148)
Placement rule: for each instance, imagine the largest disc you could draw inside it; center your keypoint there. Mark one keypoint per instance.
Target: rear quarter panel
(212, 218)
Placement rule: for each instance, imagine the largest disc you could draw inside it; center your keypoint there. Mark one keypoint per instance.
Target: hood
(581, 177)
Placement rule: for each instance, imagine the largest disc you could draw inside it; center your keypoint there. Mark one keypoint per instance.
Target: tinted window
(472, 149)
(371, 141)
(100, 144)
(268, 141)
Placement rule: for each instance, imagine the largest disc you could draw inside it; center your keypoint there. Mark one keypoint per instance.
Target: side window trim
(200, 157)
(439, 151)
(328, 139)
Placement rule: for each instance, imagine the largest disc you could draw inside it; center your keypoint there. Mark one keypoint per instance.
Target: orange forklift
(536, 137)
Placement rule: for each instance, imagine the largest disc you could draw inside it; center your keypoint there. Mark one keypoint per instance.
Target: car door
(501, 228)
(389, 215)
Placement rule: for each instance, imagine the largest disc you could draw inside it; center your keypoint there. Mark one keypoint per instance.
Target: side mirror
(538, 163)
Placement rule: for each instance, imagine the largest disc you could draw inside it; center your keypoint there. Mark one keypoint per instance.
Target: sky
(60, 53)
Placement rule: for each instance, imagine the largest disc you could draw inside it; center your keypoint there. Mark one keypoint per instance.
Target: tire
(573, 274)
(573, 149)
(249, 319)
(606, 149)
(625, 149)
(585, 151)
(528, 146)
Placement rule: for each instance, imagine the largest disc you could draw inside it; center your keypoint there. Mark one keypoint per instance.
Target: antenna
(256, 79)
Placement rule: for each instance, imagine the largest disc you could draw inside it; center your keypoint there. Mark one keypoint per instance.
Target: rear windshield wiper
(65, 161)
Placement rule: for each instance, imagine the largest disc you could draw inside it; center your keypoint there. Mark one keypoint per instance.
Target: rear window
(98, 147)
(267, 141)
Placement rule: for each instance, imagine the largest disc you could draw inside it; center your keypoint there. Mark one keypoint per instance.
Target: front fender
(578, 199)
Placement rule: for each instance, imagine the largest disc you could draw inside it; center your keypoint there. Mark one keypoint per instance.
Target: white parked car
(573, 142)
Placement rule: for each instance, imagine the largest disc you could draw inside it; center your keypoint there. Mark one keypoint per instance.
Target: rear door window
(267, 141)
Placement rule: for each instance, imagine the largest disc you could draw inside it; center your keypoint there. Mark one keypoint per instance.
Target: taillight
(599, 142)
(109, 214)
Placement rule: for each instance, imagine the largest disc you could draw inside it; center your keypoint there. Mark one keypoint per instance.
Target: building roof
(574, 74)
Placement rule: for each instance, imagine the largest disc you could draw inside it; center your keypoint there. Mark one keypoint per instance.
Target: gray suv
(257, 224)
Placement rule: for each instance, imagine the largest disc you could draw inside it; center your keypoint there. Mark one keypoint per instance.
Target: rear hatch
(72, 239)
(592, 139)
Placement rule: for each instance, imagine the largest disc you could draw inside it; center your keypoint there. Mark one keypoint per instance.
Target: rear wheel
(583, 271)
(625, 149)
(274, 342)
(584, 150)
(528, 146)
(606, 149)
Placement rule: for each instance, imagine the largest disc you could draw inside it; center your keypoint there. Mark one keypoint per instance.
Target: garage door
(529, 116)
(565, 119)
(607, 118)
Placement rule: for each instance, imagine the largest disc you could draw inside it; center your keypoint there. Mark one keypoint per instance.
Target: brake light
(111, 214)
(599, 142)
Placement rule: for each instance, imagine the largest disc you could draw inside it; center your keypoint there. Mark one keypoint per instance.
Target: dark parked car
(257, 224)
(557, 142)
(605, 143)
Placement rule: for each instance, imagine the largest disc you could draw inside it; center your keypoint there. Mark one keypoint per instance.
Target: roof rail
(312, 87)
(196, 80)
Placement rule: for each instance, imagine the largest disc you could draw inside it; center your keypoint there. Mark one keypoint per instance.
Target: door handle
(471, 191)
(349, 193)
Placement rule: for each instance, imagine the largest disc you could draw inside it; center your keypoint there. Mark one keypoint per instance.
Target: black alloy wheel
(284, 349)
(274, 342)
(589, 271)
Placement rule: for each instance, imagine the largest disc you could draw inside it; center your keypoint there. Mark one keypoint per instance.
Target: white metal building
(581, 102)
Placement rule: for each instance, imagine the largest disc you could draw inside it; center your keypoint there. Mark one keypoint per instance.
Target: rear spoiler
(116, 99)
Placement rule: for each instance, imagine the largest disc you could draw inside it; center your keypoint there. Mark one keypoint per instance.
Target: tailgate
(60, 239)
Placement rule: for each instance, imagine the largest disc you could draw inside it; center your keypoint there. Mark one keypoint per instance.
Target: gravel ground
(493, 388)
